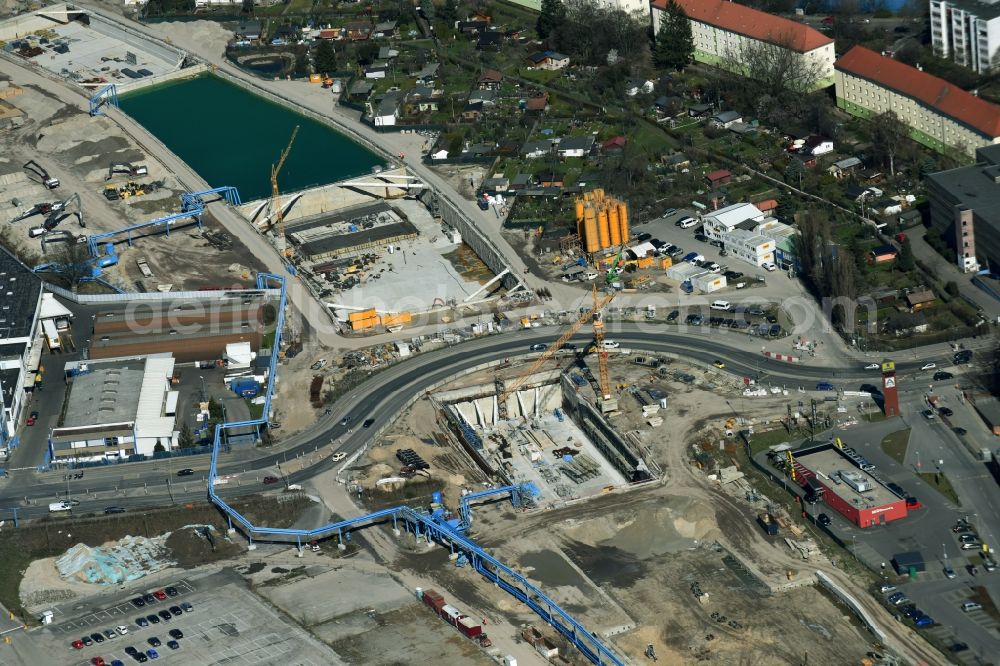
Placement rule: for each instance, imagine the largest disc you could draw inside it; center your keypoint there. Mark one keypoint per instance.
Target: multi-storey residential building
(965, 209)
(722, 30)
(940, 115)
(967, 31)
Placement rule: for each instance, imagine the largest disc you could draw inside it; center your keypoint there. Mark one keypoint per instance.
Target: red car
(270, 479)
(32, 418)
(77, 644)
(160, 594)
(97, 661)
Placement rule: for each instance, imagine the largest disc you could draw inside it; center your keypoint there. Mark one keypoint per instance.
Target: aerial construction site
(274, 406)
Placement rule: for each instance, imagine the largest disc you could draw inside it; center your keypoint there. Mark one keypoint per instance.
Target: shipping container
(450, 614)
(363, 314)
(469, 627)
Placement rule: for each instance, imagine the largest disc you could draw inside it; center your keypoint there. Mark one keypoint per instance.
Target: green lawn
(894, 444)
(939, 481)
(256, 411)
(13, 561)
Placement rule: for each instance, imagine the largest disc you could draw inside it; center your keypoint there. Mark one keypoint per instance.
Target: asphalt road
(387, 392)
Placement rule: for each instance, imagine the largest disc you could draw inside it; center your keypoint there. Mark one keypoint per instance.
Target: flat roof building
(115, 409)
(20, 305)
(852, 492)
(349, 232)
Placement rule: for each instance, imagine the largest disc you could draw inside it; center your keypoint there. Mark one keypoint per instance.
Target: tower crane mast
(279, 217)
(594, 316)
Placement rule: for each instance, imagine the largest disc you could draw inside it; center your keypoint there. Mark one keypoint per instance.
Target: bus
(51, 334)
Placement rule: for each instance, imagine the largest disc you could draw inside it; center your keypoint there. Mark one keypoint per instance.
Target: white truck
(60, 506)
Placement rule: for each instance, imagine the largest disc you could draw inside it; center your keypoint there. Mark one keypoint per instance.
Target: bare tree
(889, 136)
(774, 66)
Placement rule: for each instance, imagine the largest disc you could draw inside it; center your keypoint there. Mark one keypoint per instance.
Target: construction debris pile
(118, 562)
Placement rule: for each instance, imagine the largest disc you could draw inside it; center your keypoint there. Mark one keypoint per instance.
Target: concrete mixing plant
(601, 221)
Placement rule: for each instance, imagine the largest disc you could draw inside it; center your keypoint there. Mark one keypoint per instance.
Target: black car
(141, 622)
(87, 640)
(537, 347)
(140, 657)
(114, 509)
(138, 602)
(176, 633)
(149, 598)
(643, 237)
(97, 637)
(701, 237)
(771, 319)
(368, 423)
(153, 619)
(674, 314)
(941, 375)
(823, 519)
(185, 472)
(960, 431)
(176, 610)
(173, 645)
(963, 356)
(946, 411)
(165, 614)
(896, 488)
(775, 331)
(958, 647)
(187, 607)
(131, 651)
(733, 275)
(171, 591)
(715, 243)
(154, 641)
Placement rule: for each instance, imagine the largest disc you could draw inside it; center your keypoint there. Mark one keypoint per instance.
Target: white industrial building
(747, 233)
(117, 408)
(750, 246)
(967, 31)
(724, 220)
(20, 307)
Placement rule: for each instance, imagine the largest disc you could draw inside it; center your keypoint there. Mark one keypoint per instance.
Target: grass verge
(894, 444)
(939, 481)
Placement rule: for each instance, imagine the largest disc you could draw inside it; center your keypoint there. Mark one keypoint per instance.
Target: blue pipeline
(434, 526)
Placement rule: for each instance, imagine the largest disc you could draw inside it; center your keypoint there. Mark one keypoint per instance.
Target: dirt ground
(78, 149)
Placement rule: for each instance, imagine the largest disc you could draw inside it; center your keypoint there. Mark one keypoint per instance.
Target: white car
(872, 366)
(318, 365)
(928, 366)
(122, 629)
(340, 455)
(769, 267)
(611, 344)
(590, 275)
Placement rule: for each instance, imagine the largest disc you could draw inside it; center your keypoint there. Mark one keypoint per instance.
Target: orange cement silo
(616, 235)
(591, 239)
(604, 229)
(623, 221)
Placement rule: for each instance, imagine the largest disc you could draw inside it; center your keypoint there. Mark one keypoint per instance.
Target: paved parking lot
(228, 624)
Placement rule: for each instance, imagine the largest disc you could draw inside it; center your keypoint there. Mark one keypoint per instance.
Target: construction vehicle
(126, 190)
(593, 316)
(127, 169)
(89, 269)
(61, 210)
(42, 208)
(615, 268)
(278, 221)
(35, 170)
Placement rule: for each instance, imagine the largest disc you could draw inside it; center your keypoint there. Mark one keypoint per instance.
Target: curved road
(386, 393)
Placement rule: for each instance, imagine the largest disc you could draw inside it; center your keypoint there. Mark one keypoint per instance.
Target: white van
(721, 305)
(611, 344)
(687, 222)
(60, 506)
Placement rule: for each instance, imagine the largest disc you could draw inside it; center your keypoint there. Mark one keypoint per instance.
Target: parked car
(165, 615)
(141, 622)
(138, 602)
(967, 538)
(77, 644)
(949, 572)
(928, 414)
(733, 275)
(971, 546)
(176, 633)
(941, 375)
(153, 641)
(970, 606)
(175, 611)
(110, 634)
(886, 588)
(643, 237)
(160, 595)
(97, 637)
(122, 629)
(701, 238)
(153, 619)
(673, 315)
(186, 607)
(173, 645)
(825, 521)
(924, 621)
(32, 418)
(769, 266)
(171, 591)
(153, 654)
(961, 432)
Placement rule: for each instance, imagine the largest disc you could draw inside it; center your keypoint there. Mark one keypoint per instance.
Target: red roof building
(939, 113)
(767, 205)
(720, 177)
(613, 144)
(721, 29)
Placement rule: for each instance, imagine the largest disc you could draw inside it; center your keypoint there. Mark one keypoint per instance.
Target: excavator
(127, 169)
(615, 269)
(36, 172)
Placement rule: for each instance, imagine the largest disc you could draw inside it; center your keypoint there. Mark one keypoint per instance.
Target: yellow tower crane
(594, 316)
(278, 221)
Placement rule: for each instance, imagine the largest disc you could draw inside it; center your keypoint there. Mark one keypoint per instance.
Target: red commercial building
(852, 492)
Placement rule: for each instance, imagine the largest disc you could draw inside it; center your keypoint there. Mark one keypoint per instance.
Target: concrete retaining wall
(483, 246)
(186, 73)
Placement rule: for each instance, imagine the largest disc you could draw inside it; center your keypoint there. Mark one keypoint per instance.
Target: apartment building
(721, 30)
(940, 115)
(968, 32)
(965, 209)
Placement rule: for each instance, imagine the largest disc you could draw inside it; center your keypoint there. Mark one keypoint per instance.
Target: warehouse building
(846, 488)
(20, 306)
(355, 230)
(191, 331)
(117, 408)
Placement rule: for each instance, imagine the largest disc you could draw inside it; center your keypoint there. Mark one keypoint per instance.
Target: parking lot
(226, 624)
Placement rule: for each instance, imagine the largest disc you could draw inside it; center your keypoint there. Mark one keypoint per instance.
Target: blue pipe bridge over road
(435, 525)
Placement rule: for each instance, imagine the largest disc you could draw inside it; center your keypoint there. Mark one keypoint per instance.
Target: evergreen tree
(674, 43)
(786, 208)
(325, 57)
(449, 12)
(186, 439)
(552, 16)
(906, 260)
